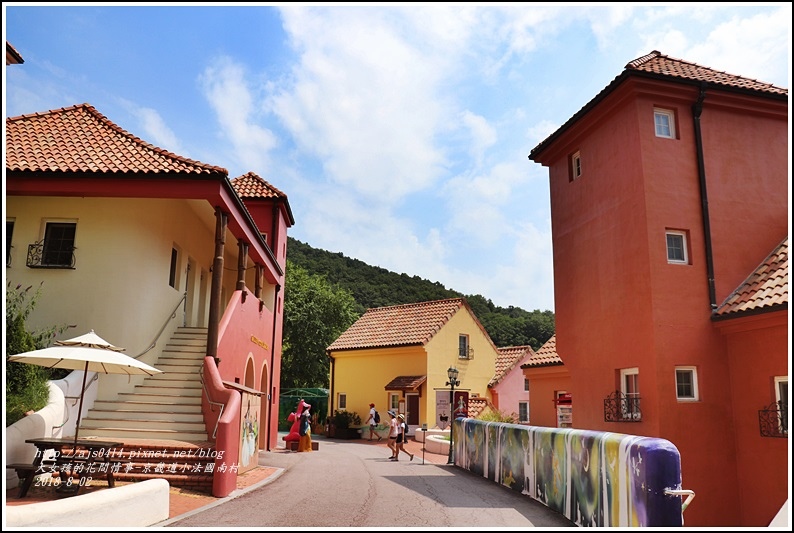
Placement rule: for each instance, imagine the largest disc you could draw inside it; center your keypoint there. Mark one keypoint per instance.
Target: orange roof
(12, 56)
(250, 185)
(477, 405)
(80, 139)
(659, 66)
(766, 289)
(399, 325)
(658, 63)
(406, 383)
(507, 358)
(545, 356)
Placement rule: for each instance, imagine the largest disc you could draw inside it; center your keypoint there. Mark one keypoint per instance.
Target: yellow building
(397, 357)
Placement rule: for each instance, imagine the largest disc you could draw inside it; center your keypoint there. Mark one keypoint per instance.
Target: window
(664, 123)
(342, 401)
(686, 383)
(172, 271)
(576, 166)
(464, 351)
(9, 235)
(526, 385)
(781, 397)
(677, 247)
(523, 411)
(58, 246)
(394, 401)
(630, 387)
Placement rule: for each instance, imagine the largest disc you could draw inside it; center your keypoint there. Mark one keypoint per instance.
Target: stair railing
(212, 403)
(167, 320)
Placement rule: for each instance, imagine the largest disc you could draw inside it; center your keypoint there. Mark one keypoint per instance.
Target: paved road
(351, 484)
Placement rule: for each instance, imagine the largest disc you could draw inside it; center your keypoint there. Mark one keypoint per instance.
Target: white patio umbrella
(90, 353)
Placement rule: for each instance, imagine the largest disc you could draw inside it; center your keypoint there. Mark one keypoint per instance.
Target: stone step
(163, 413)
(150, 407)
(188, 390)
(121, 434)
(161, 397)
(91, 422)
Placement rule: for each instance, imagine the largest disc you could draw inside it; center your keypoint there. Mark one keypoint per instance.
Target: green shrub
(26, 385)
(345, 419)
(495, 415)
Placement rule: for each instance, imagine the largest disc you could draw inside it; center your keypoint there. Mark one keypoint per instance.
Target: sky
(400, 133)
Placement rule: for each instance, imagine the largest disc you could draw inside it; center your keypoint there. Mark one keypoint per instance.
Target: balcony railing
(773, 420)
(621, 408)
(38, 257)
(466, 353)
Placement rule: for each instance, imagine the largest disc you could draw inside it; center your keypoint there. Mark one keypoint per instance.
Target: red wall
(544, 382)
(619, 304)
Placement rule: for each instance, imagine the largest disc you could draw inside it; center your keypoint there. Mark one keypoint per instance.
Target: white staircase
(165, 406)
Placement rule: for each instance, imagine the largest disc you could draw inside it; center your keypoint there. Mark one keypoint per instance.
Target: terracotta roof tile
(478, 405)
(398, 325)
(545, 356)
(658, 63)
(12, 56)
(765, 289)
(250, 185)
(405, 383)
(507, 358)
(80, 139)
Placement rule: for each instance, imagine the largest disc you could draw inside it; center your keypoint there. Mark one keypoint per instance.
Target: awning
(406, 383)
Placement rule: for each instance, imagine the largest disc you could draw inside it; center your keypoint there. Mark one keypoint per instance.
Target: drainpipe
(217, 281)
(697, 110)
(331, 399)
(272, 390)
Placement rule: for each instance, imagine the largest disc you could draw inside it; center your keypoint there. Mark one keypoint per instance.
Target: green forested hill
(377, 287)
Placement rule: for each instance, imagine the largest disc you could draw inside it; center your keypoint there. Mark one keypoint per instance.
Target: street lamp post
(452, 374)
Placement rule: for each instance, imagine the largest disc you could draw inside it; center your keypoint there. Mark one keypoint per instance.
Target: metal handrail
(167, 320)
(690, 495)
(212, 403)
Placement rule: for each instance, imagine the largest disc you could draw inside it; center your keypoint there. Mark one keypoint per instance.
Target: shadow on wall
(595, 479)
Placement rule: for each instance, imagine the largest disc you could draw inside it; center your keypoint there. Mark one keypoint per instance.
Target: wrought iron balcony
(466, 353)
(41, 257)
(621, 408)
(773, 420)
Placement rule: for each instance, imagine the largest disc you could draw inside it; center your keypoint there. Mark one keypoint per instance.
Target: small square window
(576, 166)
(58, 248)
(664, 123)
(677, 247)
(686, 384)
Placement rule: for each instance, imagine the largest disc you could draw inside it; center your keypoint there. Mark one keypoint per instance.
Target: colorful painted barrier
(594, 478)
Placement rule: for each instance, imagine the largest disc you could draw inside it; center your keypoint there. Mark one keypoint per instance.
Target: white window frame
(781, 395)
(693, 373)
(464, 347)
(394, 401)
(630, 387)
(659, 116)
(576, 165)
(526, 384)
(525, 406)
(684, 247)
(341, 401)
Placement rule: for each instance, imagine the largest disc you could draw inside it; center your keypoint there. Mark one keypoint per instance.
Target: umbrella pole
(80, 409)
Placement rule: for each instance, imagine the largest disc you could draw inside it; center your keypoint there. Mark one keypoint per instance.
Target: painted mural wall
(595, 479)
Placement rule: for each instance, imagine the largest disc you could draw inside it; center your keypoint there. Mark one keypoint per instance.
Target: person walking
(373, 422)
(402, 436)
(394, 429)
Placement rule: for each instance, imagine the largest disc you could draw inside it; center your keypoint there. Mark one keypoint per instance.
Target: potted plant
(344, 425)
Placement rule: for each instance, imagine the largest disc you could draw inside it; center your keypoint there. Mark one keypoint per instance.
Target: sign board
(424, 427)
(564, 416)
(443, 411)
(461, 404)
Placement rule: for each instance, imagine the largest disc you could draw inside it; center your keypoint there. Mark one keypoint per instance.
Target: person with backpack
(402, 438)
(373, 420)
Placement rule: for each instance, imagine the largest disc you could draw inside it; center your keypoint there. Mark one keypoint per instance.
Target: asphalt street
(352, 484)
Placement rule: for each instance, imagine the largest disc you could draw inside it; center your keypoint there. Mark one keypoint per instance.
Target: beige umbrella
(89, 353)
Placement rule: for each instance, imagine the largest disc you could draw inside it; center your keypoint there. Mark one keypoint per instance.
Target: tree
(315, 314)
(26, 385)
